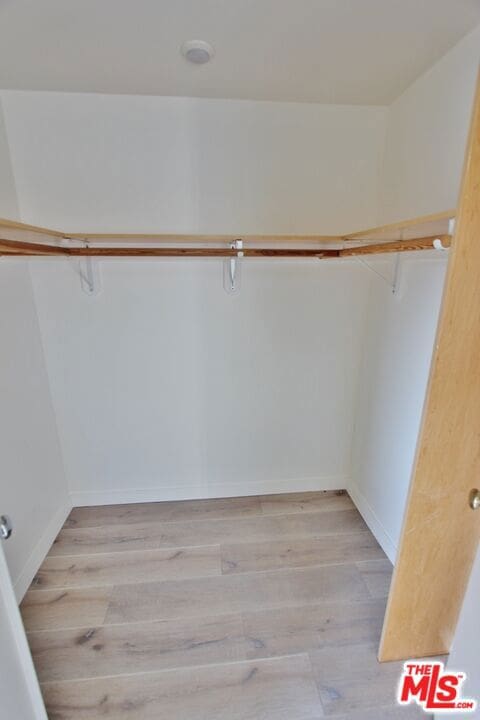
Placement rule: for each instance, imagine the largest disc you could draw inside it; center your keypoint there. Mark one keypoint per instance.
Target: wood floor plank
(306, 502)
(46, 609)
(141, 647)
(377, 575)
(144, 536)
(235, 593)
(127, 567)
(281, 689)
(299, 552)
(290, 630)
(246, 608)
(350, 678)
(180, 510)
(110, 650)
(413, 712)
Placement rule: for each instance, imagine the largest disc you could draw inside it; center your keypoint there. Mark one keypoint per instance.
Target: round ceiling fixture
(198, 52)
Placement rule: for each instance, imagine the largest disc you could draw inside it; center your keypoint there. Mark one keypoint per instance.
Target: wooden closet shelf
(407, 236)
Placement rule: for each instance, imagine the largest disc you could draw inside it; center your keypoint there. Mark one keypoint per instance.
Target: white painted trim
(200, 491)
(16, 626)
(39, 552)
(372, 520)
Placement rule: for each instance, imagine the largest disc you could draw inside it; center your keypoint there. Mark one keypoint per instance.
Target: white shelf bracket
(89, 275)
(396, 274)
(231, 269)
(88, 270)
(393, 282)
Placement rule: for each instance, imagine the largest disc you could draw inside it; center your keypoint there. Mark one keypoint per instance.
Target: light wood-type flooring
(257, 608)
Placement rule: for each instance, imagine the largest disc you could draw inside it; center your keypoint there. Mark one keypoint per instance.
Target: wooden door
(441, 532)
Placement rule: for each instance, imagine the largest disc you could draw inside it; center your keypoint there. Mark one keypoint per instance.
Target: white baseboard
(37, 556)
(199, 491)
(370, 517)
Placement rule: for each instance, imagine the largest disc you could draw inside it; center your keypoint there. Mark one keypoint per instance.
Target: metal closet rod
(18, 247)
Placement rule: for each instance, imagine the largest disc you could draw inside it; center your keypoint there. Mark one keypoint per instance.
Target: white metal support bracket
(89, 271)
(89, 275)
(393, 282)
(396, 274)
(231, 269)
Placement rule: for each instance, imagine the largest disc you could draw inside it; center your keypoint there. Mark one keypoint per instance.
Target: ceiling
(328, 51)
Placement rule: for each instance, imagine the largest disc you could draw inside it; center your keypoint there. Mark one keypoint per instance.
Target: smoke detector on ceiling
(198, 52)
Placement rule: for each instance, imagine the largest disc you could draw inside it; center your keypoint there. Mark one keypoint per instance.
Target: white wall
(163, 385)
(397, 348)
(117, 163)
(426, 135)
(19, 688)
(19, 692)
(465, 654)
(167, 387)
(427, 132)
(33, 485)
(33, 489)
